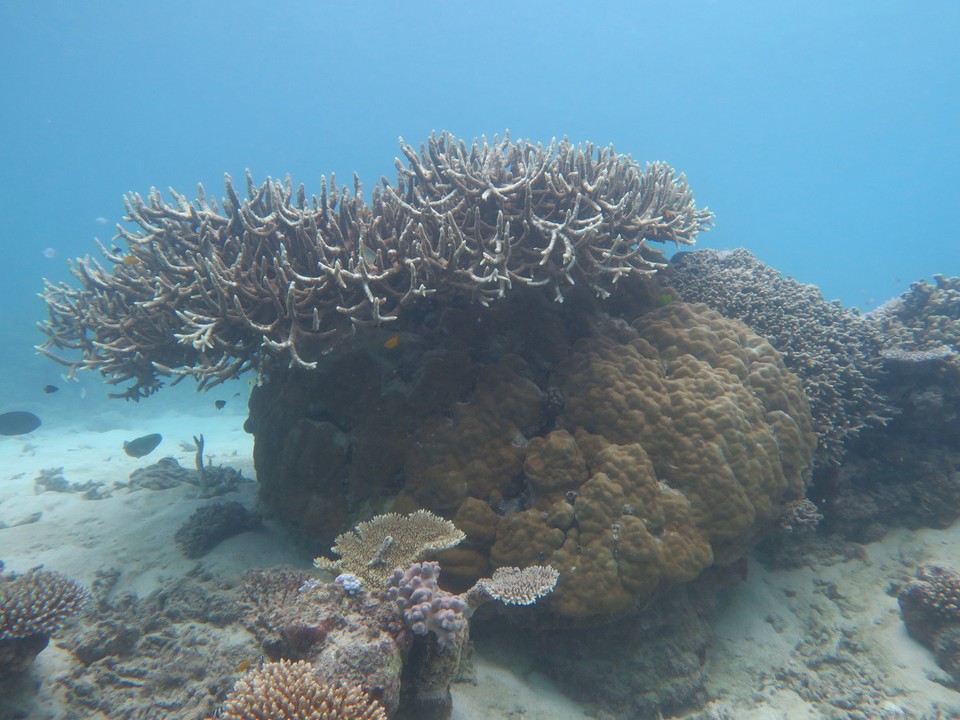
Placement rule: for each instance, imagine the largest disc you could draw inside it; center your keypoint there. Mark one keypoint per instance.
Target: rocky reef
(630, 453)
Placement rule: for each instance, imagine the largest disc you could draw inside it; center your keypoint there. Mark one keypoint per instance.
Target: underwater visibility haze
(604, 354)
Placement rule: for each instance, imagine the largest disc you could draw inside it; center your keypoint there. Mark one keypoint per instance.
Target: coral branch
(206, 292)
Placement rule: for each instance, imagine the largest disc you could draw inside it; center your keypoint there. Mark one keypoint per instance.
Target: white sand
(835, 626)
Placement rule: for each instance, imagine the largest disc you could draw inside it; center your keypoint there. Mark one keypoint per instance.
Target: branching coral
(925, 319)
(290, 690)
(33, 606)
(375, 547)
(207, 293)
(834, 351)
(38, 603)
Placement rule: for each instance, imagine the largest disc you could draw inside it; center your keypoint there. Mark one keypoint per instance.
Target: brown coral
(290, 690)
(33, 606)
(693, 432)
(376, 547)
(38, 603)
(629, 458)
(208, 293)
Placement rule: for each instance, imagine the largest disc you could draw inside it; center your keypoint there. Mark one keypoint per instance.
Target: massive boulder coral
(834, 351)
(630, 458)
(690, 434)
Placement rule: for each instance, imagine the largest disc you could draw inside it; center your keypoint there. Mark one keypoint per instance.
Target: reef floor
(822, 641)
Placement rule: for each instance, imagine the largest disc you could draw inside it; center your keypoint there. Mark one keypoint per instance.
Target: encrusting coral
(207, 293)
(291, 691)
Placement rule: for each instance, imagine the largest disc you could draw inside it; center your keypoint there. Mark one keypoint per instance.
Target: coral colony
(207, 292)
(482, 371)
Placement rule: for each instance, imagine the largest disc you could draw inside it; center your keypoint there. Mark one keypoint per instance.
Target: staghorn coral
(33, 606)
(930, 607)
(208, 293)
(834, 351)
(291, 691)
(373, 548)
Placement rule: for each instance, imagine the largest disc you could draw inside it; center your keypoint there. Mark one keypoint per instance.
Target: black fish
(220, 403)
(142, 445)
(50, 389)
(18, 422)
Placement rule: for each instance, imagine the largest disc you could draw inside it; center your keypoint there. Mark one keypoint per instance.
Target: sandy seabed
(788, 644)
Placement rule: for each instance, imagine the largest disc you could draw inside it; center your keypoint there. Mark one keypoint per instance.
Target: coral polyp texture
(678, 443)
(834, 351)
(924, 320)
(290, 690)
(426, 608)
(33, 606)
(207, 291)
(38, 603)
(513, 586)
(676, 440)
(375, 547)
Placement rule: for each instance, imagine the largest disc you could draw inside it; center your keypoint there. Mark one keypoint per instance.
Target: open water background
(824, 135)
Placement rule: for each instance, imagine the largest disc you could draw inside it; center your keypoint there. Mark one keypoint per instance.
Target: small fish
(130, 259)
(142, 445)
(18, 422)
(50, 253)
(391, 342)
(48, 389)
(244, 666)
(219, 404)
(236, 394)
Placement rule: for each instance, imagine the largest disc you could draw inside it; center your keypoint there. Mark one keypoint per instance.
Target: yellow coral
(290, 690)
(677, 448)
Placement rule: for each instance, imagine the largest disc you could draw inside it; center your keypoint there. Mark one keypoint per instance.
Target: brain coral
(679, 440)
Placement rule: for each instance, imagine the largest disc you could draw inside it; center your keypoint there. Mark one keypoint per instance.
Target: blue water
(824, 135)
